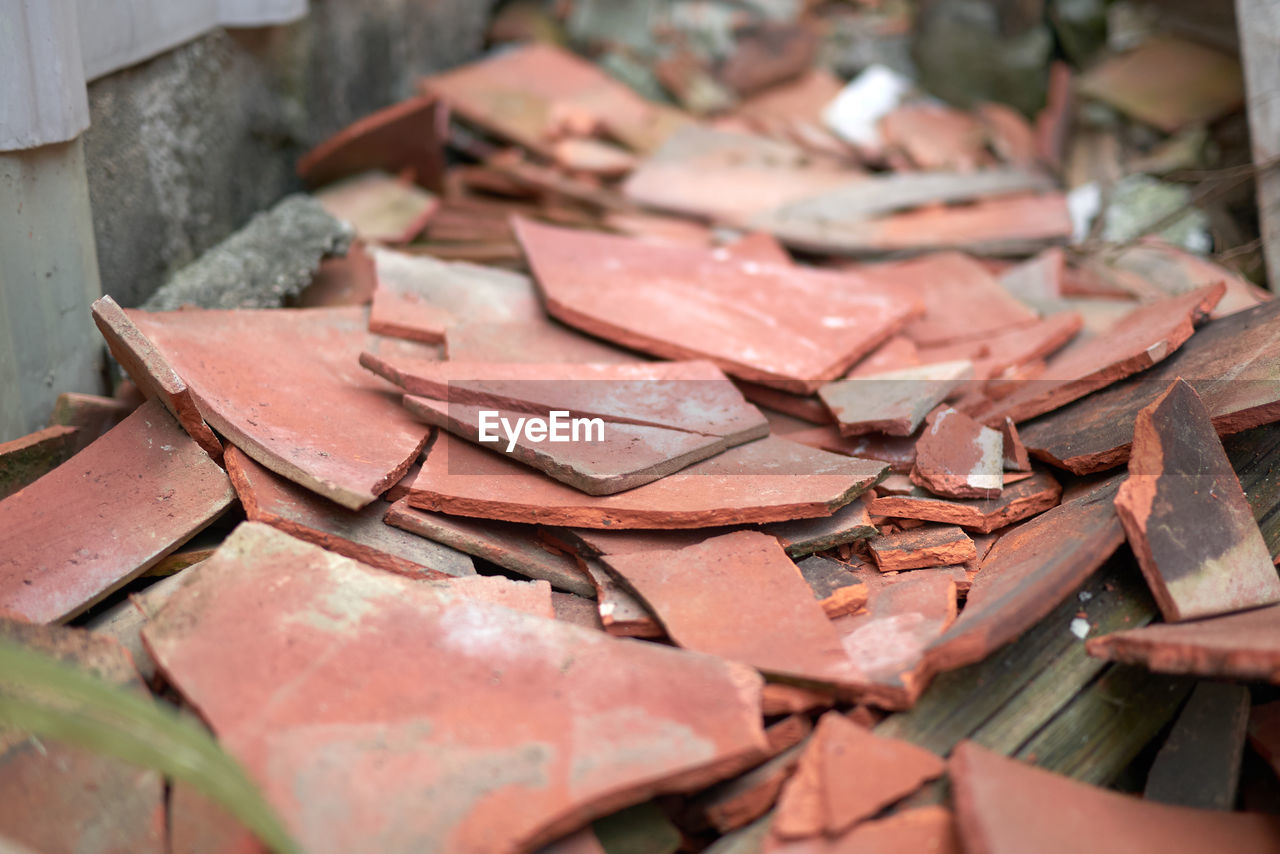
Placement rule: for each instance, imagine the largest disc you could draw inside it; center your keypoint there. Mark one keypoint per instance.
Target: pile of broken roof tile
(843, 558)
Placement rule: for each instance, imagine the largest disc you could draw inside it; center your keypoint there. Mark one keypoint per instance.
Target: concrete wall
(183, 149)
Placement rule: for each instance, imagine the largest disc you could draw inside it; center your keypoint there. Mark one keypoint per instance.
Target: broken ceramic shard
(136, 494)
(358, 534)
(380, 207)
(575, 729)
(768, 480)
(420, 297)
(401, 137)
(892, 402)
(787, 327)
(1186, 517)
(286, 387)
(956, 457)
(922, 547)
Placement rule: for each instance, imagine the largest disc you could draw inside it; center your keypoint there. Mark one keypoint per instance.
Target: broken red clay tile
(659, 228)
(738, 802)
(28, 458)
(786, 327)
(1141, 339)
(922, 547)
(286, 387)
(892, 402)
(1004, 806)
(1264, 732)
(1186, 516)
(1012, 224)
(529, 597)
(1168, 82)
(742, 581)
(593, 156)
(58, 798)
(358, 534)
(152, 372)
(802, 537)
(380, 207)
(544, 342)
(956, 457)
(895, 354)
(1172, 270)
(579, 610)
(759, 246)
(420, 298)
(531, 93)
(1243, 646)
(922, 829)
(802, 99)
(963, 302)
(779, 698)
(346, 281)
(768, 480)
(621, 613)
(808, 408)
(1016, 348)
(90, 414)
(1030, 569)
(898, 452)
(1010, 135)
(513, 547)
(730, 177)
(1232, 364)
(550, 727)
(887, 641)
(836, 588)
(936, 137)
(404, 136)
(1015, 453)
(848, 774)
(136, 494)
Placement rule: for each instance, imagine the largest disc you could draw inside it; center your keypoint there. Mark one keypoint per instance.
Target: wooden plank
(1023, 684)
(1259, 22)
(1255, 455)
(1199, 764)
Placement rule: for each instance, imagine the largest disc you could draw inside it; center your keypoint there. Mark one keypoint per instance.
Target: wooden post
(1259, 23)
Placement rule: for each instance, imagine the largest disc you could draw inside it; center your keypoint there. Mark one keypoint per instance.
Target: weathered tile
(358, 534)
(136, 494)
(779, 698)
(124, 620)
(1186, 517)
(1244, 646)
(922, 547)
(1168, 82)
(1199, 763)
(1015, 453)
(28, 458)
(738, 802)
(893, 402)
(621, 613)
(929, 828)
(545, 342)
(899, 452)
(403, 136)
(1172, 271)
(56, 798)
(1232, 364)
(742, 581)
(1005, 806)
(848, 774)
(996, 354)
(1145, 336)
(801, 537)
(510, 546)
(529, 597)
(346, 281)
(578, 726)
(768, 480)
(934, 136)
(286, 387)
(1030, 569)
(536, 93)
(579, 610)
(1010, 224)
(152, 372)
(956, 457)
(787, 327)
(887, 641)
(380, 207)
(729, 177)
(91, 415)
(593, 156)
(420, 297)
(807, 407)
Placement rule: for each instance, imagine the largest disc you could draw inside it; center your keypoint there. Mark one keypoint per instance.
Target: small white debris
(1084, 595)
(855, 113)
(1080, 627)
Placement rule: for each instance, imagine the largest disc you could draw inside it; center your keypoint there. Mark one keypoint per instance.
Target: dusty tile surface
(136, 494)
(956, 457)
(532, 744)
(358, 534)
(922, 547)
(893, 402)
